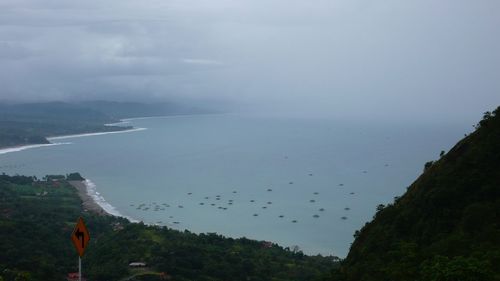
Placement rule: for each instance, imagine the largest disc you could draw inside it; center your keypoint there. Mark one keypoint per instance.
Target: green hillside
(32, 123)
(446, 226)
(22, 124)
(37, 217)
(36, 220)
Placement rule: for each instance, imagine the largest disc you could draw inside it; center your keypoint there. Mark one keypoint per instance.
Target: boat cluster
(224, 204)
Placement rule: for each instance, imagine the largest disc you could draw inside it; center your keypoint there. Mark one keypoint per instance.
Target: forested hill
(32, 123)
(38, 215)
(446, 226)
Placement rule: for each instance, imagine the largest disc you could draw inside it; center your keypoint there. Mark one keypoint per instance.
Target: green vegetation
(188, 256)
(446, 226)
(36, 220)
(32, 123)
(37, 217)
(23, 124)
(74, 177)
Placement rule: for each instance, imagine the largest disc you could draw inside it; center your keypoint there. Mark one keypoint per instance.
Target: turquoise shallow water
(202, 172)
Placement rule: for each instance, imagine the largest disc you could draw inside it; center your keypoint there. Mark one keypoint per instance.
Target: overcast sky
(420, 59)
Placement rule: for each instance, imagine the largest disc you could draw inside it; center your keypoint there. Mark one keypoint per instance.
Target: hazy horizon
(422, 61)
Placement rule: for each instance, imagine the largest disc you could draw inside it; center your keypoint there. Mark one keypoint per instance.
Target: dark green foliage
(53, 177)
(428, 165)
(447, 225)
(74, 177)
(23, 124)
(37, 217)
(200, 257)
(457, 268)
(36, 220)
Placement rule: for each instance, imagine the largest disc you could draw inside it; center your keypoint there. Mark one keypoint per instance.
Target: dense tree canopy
(37, 217)
(447, 225)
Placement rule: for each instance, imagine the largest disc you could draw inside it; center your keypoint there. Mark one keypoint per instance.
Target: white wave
(99, 200)
(122, 122)
(95, 134)
(24, 147)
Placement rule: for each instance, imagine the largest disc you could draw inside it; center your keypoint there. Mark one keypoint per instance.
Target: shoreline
(93, 201)
(95, 134)
(88, 203)
(9, 149)
(18, 148)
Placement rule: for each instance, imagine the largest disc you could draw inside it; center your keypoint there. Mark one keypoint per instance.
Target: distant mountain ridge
(32, 123)
(446, 226)
(120, 110)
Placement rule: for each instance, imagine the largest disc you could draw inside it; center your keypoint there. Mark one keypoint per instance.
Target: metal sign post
(79, 269)
(80, 238)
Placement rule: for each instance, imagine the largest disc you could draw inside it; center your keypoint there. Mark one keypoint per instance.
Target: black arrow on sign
(79, 234)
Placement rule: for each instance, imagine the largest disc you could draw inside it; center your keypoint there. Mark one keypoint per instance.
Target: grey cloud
(412, 59)
(14, 51)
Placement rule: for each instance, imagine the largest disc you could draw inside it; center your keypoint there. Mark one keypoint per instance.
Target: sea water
(305, 182)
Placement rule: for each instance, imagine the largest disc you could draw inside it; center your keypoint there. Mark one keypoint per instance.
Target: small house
(137, 264)
(267, 244)
(73, 276)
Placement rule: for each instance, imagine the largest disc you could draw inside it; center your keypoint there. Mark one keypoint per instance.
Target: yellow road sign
(80, 237)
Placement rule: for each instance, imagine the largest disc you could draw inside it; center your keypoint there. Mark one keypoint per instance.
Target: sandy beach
(87, 201)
